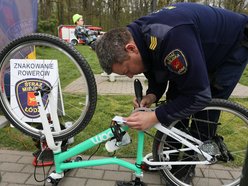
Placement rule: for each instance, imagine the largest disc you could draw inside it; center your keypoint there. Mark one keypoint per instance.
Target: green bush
(48, 26)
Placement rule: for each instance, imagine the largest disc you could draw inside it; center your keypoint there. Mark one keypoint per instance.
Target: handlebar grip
(138, 90)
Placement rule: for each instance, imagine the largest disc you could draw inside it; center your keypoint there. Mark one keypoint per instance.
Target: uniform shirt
(181, 44)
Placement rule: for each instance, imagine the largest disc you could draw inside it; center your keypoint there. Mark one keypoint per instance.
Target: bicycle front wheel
(223, 129)
(37, 60)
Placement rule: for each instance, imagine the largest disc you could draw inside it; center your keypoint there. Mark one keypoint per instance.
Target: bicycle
(216, 161)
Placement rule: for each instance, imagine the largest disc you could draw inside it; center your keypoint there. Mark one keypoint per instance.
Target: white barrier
(112, 77)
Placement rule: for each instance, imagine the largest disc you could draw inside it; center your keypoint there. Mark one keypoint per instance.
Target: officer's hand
(146, 101)
(141, 120)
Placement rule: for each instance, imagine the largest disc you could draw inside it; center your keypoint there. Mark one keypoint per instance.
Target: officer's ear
(131, 47)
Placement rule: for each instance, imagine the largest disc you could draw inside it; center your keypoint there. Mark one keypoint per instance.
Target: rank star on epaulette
(170, 7)
(176, 62)
(153, 42)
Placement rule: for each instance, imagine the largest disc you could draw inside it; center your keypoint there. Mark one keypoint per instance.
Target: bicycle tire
(75, 104)
(232, 126)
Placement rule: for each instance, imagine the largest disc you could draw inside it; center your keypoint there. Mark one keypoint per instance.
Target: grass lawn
(244, 78)
(107, 108)
(91, 57)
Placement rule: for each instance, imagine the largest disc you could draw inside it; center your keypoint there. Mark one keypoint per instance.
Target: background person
(81, 32)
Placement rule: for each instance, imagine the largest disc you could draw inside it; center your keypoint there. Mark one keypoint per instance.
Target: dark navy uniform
(197, 49)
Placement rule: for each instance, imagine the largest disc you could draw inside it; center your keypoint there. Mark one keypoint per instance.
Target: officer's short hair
(110, 48)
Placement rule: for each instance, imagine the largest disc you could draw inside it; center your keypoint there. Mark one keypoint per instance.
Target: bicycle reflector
(43, 156)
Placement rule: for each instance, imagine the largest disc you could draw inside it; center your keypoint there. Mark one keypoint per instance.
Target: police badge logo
(176, 62)
(25, 96)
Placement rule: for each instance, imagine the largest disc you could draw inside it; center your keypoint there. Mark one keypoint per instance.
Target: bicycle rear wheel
(227, 143)
(45, 60)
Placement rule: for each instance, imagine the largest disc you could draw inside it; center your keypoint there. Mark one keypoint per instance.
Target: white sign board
(26, 76)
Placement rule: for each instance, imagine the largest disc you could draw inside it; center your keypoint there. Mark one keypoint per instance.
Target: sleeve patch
(176, 62)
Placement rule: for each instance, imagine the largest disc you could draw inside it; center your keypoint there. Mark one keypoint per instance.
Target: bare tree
(115, 13)
(153, 5)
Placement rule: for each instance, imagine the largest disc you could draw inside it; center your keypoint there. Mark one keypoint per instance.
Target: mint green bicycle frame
(59, 158)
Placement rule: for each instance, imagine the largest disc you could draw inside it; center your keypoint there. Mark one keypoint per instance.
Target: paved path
(121, 85)
(16, 167)
(124, 85)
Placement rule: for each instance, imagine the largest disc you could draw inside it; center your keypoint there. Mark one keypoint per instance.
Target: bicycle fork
(46, 132)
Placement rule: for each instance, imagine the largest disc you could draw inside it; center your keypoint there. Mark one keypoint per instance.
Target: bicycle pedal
(130, 183)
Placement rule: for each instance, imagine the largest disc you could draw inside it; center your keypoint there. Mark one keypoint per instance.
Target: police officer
(200, 50)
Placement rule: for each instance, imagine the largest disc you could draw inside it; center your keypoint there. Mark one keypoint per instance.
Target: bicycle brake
(117, 132)
(44, 90)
